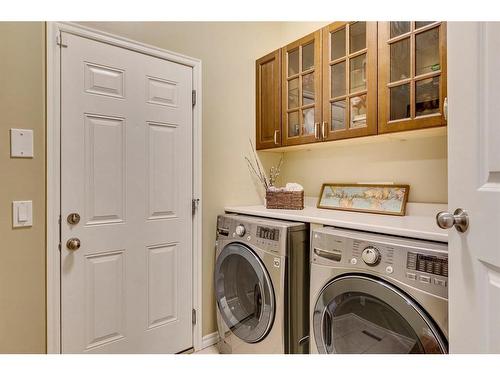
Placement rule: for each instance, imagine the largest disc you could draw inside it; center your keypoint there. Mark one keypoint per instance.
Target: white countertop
(419, 222)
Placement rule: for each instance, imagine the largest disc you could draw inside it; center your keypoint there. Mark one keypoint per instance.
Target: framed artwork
(372, 198)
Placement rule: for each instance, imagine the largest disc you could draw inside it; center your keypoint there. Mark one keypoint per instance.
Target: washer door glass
(360, 314)
(244, 293)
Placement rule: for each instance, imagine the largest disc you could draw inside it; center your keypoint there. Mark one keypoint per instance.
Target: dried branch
(252, 170)
(260, 168)
(275, 172)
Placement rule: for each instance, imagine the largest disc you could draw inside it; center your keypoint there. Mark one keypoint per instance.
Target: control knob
(370, 255)
(240, 230)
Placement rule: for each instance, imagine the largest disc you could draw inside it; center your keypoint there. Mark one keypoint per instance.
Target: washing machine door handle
(258, 301)
(327, 328)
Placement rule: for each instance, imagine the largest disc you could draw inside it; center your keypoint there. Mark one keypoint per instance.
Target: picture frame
(385, 199)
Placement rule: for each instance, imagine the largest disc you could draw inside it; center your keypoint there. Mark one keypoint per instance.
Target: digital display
(428, 264)
(268, 233)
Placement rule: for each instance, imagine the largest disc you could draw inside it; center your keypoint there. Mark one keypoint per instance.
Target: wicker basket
(288, 200)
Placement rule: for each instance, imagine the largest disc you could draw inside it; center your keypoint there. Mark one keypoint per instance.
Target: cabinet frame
(275, 88)
(377, 51)
(412, 123)
(371, 78)
(301, 139)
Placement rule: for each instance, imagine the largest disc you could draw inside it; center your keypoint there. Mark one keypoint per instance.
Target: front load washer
(261, 285)
(374, 293)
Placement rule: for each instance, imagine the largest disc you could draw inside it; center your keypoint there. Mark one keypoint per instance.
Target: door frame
(53, 155)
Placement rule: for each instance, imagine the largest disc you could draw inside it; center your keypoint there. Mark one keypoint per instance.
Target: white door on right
(474, 185)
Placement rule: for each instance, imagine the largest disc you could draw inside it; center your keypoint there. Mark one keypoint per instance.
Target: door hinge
(59, 42)
(193, 97)
(194, 205)
(194, 316)
(59, 246)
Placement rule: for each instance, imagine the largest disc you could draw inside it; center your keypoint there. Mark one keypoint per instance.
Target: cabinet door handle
(316, 130)
(445, 108)
(276, 137)
(323, 129)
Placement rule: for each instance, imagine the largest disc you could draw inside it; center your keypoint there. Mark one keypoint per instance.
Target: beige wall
(22, 251)
(420, 162)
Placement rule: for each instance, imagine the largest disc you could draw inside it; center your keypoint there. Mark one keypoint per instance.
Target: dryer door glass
(244, 293)
(360, 314)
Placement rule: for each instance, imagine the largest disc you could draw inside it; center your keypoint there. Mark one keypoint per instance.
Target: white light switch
(21, 143)
(22, 214)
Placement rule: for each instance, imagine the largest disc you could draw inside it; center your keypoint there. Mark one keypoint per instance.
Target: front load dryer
(261, 283)
(374, 293)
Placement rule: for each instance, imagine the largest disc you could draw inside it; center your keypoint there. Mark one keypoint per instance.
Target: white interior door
(474, 185)
(126, 169)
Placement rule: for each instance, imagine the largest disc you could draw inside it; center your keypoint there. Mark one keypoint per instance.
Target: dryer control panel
(417, 263)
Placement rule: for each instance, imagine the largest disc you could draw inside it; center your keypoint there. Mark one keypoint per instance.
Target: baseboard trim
(209, 340)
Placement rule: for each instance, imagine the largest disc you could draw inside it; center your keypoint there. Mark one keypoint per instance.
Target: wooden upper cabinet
(412, 75)
(352, 79)
(268, 101)
(301, 90)
(349, 80)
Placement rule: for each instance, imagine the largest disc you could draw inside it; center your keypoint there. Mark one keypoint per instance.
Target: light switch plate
(22, 214)
(21, 143)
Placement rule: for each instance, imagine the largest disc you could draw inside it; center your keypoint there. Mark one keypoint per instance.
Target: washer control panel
(268, 233)
(418, 263)
(265, 234)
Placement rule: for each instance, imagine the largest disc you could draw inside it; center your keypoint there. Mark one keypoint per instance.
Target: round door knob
(73, 244)
(73, 218)
(370, 255)
(459, 219)
(240, 230)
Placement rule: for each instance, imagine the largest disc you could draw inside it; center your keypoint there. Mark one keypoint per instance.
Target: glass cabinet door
(412, 75)
(349, 80)
(301, 94)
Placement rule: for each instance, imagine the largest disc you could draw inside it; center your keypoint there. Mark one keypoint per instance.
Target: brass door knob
(73, 244)
(73, 218)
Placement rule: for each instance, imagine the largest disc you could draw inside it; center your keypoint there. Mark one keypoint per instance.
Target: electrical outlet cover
(21, 143)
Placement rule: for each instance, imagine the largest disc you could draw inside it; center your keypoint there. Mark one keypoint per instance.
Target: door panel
(104, 80)
(244, 293)
(126, 151)
(104, 298)
(105, 169)
(412, 75)
(301, 90)
(268, 101)
(162, 284)
(349, 80)
(474, 185)
(162, 194)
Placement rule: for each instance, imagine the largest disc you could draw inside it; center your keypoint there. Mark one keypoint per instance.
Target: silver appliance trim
(319, 335)
(264, 282)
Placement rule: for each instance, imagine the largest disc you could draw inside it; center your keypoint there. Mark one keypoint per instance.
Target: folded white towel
(292, 186)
